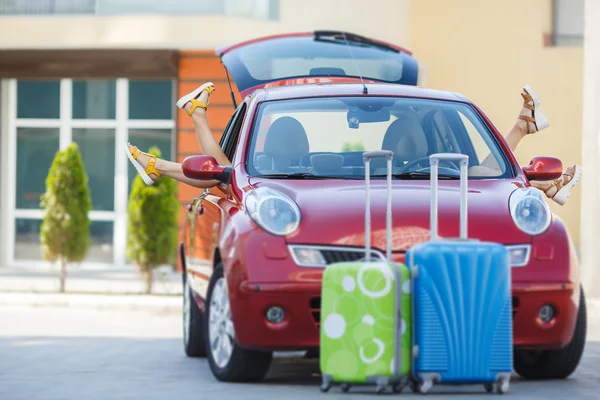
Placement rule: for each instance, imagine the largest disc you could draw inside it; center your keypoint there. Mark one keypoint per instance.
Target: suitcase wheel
(325, 387)
(488, 387)
(503, 386)
(398, 388)
(345, 387)
(425, 386)
(380, 389)
(413, 387)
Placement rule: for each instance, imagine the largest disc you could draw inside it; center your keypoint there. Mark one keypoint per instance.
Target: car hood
(333, 212)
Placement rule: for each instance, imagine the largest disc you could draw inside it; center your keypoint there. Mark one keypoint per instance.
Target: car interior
(413, 133)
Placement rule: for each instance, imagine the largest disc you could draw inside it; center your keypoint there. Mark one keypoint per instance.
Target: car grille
(315, 310)
(333, 254)
(515, 306)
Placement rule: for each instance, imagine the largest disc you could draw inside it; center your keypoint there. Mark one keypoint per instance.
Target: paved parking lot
(75, 353)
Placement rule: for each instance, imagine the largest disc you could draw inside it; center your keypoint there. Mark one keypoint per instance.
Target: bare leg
(208, 145)
(515, 135)
(173, 170)
(559, 190)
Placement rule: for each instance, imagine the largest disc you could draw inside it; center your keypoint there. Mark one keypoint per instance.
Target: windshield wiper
(419, 175)
(304, 175)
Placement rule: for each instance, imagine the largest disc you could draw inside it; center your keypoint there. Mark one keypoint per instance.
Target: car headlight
(529, 211)
(273, 211)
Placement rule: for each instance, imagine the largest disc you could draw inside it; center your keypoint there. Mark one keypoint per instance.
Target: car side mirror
(206, 168)
(544, 169)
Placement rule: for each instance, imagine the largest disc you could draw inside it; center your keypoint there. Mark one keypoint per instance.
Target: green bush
(65, 230)
(153, 224)
(353, 146)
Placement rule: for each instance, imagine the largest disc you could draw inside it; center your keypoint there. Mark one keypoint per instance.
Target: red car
(253, 254)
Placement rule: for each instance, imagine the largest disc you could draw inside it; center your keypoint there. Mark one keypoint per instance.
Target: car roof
(329, 89)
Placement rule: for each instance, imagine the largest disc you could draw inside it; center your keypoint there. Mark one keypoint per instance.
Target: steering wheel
(418, 161)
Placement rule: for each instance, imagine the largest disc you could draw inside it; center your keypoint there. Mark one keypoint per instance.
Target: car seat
(406, 138)
(285, 142)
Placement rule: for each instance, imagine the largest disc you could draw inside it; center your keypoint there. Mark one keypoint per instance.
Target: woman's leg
(207, 143)
(517, 133)
(172, 170)
(559, 189)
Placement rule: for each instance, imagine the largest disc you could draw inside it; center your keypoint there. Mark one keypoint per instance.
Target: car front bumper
(297, 291)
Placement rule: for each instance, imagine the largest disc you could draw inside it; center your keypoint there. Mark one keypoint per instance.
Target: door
(296, 58)
(207, 215)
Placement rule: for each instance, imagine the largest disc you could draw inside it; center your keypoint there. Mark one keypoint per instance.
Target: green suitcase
(366, 306)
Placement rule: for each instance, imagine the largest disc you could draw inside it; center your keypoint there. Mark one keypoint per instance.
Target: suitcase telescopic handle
(434, 162)
(367, 156)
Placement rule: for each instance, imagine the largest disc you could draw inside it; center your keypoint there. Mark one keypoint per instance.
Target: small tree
(153, 219)
(65, 230)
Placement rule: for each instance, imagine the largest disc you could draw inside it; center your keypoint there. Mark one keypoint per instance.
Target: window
(232, 125)
(258, 9)
(327, 137)
(567, 21)
(102, 116)
(232, 137)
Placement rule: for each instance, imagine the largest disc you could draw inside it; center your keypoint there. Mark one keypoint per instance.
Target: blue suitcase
(462, 303)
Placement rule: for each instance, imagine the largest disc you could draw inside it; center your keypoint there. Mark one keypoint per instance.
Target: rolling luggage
(461, 302)
(365, 330)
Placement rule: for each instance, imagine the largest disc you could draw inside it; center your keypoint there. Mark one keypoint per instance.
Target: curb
(169, 304)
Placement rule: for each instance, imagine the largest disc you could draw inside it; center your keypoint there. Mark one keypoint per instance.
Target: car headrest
(405, 138)
(286, 139)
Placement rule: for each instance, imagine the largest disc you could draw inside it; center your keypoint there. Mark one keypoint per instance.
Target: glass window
(94, 99)
(38, 99)
(568, 16)
(324, 55)
(27, 239)
(327, 136)
(101, 242)
(146, 138)
(151, 100)
(97, 147)
(36, 148)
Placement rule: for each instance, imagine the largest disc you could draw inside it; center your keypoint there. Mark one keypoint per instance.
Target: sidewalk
(104, 280)
(99, 288)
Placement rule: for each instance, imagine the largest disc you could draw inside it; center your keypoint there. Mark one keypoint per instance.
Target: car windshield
(322, 138)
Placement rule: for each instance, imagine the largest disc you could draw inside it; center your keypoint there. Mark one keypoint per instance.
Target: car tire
(555, 364)
(227, 360)
(193, 320)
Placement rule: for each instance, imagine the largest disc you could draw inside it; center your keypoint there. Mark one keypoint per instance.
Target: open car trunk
(309, 57)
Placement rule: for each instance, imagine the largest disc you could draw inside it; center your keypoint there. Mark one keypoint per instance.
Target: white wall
(590, 184)
(390, 22)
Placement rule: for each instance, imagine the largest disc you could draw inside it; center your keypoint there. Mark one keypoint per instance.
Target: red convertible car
(253, 251)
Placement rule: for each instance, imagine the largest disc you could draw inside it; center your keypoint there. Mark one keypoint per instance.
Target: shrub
(353, 146)
(153, 224)
(65, 230)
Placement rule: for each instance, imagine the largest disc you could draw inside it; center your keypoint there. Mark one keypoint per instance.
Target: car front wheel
(228, 361)
(555, 364)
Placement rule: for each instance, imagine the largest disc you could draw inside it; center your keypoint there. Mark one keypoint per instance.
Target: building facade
(102, 73)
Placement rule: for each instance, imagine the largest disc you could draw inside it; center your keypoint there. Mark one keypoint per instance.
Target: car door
(207, 212)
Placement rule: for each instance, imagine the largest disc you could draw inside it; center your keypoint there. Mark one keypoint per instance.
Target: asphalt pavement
(57, 352)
